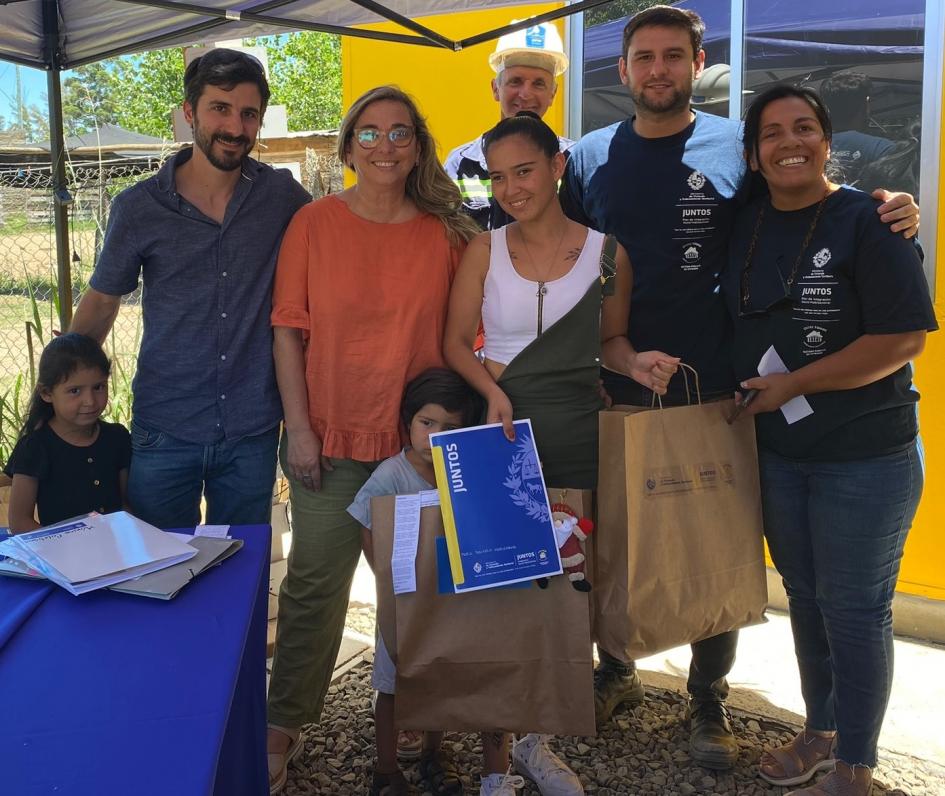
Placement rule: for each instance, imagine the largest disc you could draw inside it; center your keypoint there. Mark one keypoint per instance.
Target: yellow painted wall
(923, 568)
(452, 88)
(453, 91)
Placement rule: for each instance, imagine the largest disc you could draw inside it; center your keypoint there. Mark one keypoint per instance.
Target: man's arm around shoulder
(95, 314)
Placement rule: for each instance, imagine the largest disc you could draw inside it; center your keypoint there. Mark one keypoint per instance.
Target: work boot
(615, 684)
(711, 740)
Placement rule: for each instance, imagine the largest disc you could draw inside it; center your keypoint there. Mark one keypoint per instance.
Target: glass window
(865, 58)
(606, 100)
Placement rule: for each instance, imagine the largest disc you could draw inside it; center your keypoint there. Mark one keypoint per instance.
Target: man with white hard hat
(526, 63)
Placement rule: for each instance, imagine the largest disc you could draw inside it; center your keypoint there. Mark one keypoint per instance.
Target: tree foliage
(139, 92)
(27, 122)
(90, 98)
(305, 76)
(152, 86)
(616, 10)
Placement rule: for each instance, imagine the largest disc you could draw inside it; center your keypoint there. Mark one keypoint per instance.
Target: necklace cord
(749, 257)
(542, 290)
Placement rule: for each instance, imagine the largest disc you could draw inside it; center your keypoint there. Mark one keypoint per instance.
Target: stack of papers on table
(96, 551)
(12, 567)
(165, 583)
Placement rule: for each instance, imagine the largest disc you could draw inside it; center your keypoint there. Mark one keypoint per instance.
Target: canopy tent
(783, 41)
(63, 34)
(782, 34)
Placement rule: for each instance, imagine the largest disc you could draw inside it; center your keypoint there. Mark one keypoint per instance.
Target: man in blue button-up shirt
(204, 235)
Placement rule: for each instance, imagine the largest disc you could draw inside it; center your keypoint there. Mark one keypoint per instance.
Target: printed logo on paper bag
(687, 478)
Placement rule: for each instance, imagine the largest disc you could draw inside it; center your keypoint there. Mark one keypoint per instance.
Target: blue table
(108, 694)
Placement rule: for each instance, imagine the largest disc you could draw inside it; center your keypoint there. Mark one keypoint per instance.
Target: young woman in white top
(552, 310)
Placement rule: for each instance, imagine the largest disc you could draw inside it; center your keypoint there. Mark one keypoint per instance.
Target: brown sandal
(394, 784)
(439, 773)
(799, 759)
(409, 745)
(843, 781)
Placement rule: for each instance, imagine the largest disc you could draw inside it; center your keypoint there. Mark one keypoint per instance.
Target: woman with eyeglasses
(830, 308)
(359, 308)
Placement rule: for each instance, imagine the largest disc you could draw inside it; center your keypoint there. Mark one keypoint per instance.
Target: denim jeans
(836, 532)
(168, 476)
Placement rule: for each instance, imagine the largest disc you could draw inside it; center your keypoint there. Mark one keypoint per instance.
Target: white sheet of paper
(92, 552)
(213, 531)
(429, 497)
(795, 409)
(403, 562)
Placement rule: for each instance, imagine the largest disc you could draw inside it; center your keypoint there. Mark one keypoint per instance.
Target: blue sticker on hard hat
(535, 37)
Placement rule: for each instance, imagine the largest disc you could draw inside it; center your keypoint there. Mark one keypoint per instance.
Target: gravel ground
(643, 751)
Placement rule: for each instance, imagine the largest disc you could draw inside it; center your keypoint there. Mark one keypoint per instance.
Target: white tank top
(510, 301)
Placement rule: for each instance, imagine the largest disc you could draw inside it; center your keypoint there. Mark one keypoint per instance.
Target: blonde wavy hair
(428, 185)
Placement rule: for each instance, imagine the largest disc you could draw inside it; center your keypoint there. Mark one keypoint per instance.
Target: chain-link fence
(29, 303)
(29, 311)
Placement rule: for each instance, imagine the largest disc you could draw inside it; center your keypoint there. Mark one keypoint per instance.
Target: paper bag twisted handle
(695, 374)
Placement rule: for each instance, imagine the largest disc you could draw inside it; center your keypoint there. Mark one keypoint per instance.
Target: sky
(34, 87)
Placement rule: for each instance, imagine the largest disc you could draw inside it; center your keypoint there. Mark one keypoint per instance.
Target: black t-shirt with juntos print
(856, 277)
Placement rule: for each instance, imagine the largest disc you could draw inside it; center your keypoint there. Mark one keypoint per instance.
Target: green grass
(16, 224)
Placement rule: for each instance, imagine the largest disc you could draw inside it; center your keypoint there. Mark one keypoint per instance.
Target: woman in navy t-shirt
(832, 306)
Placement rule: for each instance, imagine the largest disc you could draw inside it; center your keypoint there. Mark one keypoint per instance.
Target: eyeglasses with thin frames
(370, 137)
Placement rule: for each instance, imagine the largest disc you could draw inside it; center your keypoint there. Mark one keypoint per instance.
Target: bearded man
(203, 233)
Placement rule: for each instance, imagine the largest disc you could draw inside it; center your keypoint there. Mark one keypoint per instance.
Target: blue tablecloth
(109, 694)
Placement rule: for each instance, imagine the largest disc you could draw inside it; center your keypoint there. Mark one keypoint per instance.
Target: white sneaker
(500, 785)
(532, 758)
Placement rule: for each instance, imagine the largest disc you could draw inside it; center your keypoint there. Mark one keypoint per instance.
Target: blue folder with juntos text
(496, 515)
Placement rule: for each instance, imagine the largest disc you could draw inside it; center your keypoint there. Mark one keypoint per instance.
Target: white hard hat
(711, 87)
(539, 46)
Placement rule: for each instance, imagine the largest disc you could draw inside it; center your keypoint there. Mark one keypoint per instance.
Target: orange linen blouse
(371, 301)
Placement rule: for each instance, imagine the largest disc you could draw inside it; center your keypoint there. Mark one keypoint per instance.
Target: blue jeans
(168, 476)
(836, 532)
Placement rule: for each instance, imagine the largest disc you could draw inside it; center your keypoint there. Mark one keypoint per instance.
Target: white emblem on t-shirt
(692, 256)
(822, 258)
(814, 340)
(696, 180)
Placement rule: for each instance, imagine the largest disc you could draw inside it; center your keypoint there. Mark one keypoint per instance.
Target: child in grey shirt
(436, 400)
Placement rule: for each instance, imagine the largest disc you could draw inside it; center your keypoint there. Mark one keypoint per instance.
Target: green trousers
(313, 600)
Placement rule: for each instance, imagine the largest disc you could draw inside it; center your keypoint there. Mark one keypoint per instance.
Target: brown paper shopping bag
(678, 554)
(516, 659)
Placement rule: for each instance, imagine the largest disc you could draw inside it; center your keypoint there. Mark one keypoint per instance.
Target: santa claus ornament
(570, 531)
